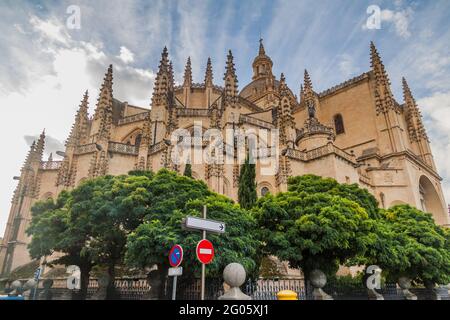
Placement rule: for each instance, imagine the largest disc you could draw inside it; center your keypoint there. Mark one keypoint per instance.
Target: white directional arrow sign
(205, 225)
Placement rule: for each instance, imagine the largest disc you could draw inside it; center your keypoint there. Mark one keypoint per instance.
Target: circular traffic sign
(205, 251)
(175, 256)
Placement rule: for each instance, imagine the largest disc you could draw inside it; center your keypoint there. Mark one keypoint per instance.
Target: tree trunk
(162, 280)
(85, 270)
(111, 290)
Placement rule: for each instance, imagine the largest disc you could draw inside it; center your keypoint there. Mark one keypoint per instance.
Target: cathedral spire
(79, 127)
(188, 74)
(383, 93)
(416, 128)
(104, 109)
(105, 98)
(209, 74)
(302, 93)
(171, 76)
(307, 86)
(29, 156)
(286, 122)
(283, 89)
(39, 148)
(164, 78)
(378, 66)
(261, 47)
(231, 82)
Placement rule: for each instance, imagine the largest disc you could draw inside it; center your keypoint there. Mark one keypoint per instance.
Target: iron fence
(261, 289)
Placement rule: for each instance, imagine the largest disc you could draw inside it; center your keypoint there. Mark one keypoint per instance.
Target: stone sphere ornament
(234, 275)
(29, 284)
(16, 285)
(318, 278)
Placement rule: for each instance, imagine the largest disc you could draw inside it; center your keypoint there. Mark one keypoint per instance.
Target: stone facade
(355, 132)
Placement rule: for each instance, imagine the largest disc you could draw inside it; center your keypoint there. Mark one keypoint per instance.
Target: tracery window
(339, 124)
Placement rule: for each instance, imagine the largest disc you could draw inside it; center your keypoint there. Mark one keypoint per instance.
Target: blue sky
(45, 66)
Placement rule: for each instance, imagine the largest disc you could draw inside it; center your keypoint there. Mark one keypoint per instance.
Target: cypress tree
(247, 185)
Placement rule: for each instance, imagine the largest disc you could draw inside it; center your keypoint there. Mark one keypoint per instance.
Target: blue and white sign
(175, 256)
(37, 274)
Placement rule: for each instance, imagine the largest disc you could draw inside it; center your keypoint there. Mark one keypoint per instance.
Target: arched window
(339, 124)
(138, 140)
(264, 191)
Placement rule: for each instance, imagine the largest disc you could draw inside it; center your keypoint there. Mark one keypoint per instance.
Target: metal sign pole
(203, 265)
(41, 271)
(174, 289)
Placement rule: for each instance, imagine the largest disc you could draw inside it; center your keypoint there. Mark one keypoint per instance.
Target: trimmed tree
(52, 230)
(314, 184)
(247, 185)
(90, 224)
(407, 242)
(173, 197)
(312, 230)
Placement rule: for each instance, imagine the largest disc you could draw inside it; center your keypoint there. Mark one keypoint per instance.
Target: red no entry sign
(205, 251)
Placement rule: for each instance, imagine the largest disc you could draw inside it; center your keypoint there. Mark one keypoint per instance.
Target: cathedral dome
(257, 87)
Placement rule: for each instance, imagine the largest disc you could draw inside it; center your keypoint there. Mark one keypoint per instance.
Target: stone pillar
(405, 285)
(46, 294)
(318, 280)
(374, 295)
(103, 282)
(436, 293)
(234, 276)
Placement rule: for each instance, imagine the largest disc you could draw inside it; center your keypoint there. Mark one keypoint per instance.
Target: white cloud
(347, 65)
(400, 19)
(126, 55)
(50, 30)
(50, 88)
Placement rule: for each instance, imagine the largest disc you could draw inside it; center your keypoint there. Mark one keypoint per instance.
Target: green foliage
(315, 184)
(148, 174)
(407, 242)
(269, 268)
(188, 170)
(316, 230)
(247, 185)
(25, 271)
(151, 241)
(48, 226)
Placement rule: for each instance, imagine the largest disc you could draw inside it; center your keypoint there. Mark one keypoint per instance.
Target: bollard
(287, 295)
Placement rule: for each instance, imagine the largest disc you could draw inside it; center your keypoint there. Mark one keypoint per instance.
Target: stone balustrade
(86, 148)
(189, 112)
(133, 118)
(320, 152)
(50, 165)
(256, 122)
(122, 148)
